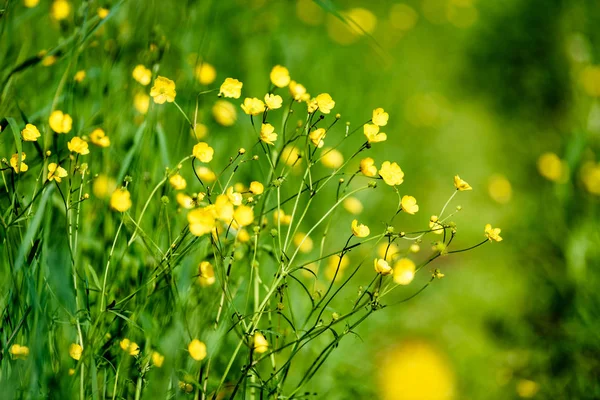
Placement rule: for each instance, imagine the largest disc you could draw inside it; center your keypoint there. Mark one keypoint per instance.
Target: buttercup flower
(205, 73)
(382, 267)
(197, 350)
(273, 101)
(223, 208)
(325, 103)
(14, 162)
(75, 351)
(435, 226)
(280, 76)
(367, 167)
(142, 74)
(18, 352)
(256, 187)
(201, 220)
(373, 135)
(79, 76)
(404, 271)
(30, 133)
(61, 9)
(267, 134)
(56, 172)
(260, 343)
(303, 242)
(551, 167)
(332, 158)
(317, 137)
(224, 113)
(141, 102)
(298, 91)
(380, 117)
(184, 201)
(231, 88)
(203, 152)
(461, 185)
(360, 230)
(178, 182)
(353, 205)
(253, 106)
(120, 200)
(31, 3)
(290, 155)
(234, 197)
(409, 204)
(60, 122)
(493, 234)
(130, 347)
(78, 145)
(163, 90)
(244, 215)
(391, 173)
(206, 274)
(157, 359)
(279, 217)
(102, 12)
(99, 138)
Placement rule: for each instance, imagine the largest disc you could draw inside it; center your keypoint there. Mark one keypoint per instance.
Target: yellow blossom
(157, 359)
(380, 117)
(206, 274)
(303, 242)
(360, 230)
(184, 201)
(79, 76)
(224, 113)
(199, 132)
(203, 152)
(205, 73)
(99, 138)
(18, 352)
(373, 135)
(30, 133)
(49, 60)
(551, 167)
(335, 264)
(353, 205)
(141, 102)
(14, 162)
(257, 187)
(273, 101)
(391, 173)
(124, 344)
(527, 388)
(367, 167)
(231, 88)
(120, 200)
(253, 106)
(280, 76)
(435, 225)
(61, 9)
(590, 80)
(332, 158)
(186, 387)
(461, 185)
(60, 122)
(325, 103)
(260, 343)
(267, 134)
(130, 347)
(317, 137)
(244, 215)
(243, 235)
(404, 271)
(382, 267)
(298, 91)
(163, 90)
(75, 351)
(206, 174)
(197, 350)
(31, 3)
(142, 74)
(290, 155)
(178, 182)
(387, 250)
(56, 172)
(409, 204)
(281, 218)
(201, 220)
(493, 234)
(223, 208)
(234, 197)
(102, 12)
(78, 145)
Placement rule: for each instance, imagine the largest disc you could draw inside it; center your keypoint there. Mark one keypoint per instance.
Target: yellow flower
(17, 351)
(244, 215)
(60, 9)
(102, 12)
(234, 197)
(201, 220)
(78, 145)
(493, 234)
(273, 101)
(435, 226)
(298, 91)
(527, 388)
(14, 162)
(551, 167)
(31, 3)
(203, 152)
(404, 271)
(391, 173)
(186, 387)
(280, 76)
(124, 344)
(325, 103)
(141, 102)
(199, 132)
(231, 88)
(332, 158)
(290, 155)
(185, 201)
(142, 74)
(205, 73)
(56, 172)
(178, 182)
(260, 343)
(157, 359)
(373, 135)
(380, 117)
(206, 174)
(500, 189)
(382, 267)
(49, 60)
(367, 167)
(163, 90)
(131, 347)
(30, 133)
(243, 236)
(257, 187)
(223, 208)
(590, 80)
(332, 267)
(206, 274)
(353, 205)
(99, 138)
(224, 113)
(461, 185)
(317, 137)
(267, 134)
(60, 122)
(197, 350)
(120, 200)
(303, 242)
(360, 230)
(79, 76)
(75, 351)
(253, 106)
(279, 217)
(409, 204)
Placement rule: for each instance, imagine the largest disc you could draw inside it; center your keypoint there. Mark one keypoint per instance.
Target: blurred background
(503, 93)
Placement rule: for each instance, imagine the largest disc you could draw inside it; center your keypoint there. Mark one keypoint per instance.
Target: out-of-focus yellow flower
(332, 267)
(253, 106)
(391, 173)
(223, 208)
(206, 174)
(273, 101)
(500, 189)
(310, 12)
(205, 73)
(201, 220)
(358, 21)
(49, 60)
(409, 204)
(325, 103)
(353, 205)
(551, 167)
(267, 134)
(244, 215)
(61, 9)
(290, 155)
(99, 138)
(243, 236)
(60, 122)
(79, 76)
(382, 267)
(120, 200)
(143, 75)
(280, 76)
(206, 274)
(130, 347)
(403, 17)
(332, 158)
(404, 271)
(590, 175)
(234, 197)
(75, 351)
(186, 387)
(224, 113)
(256, 187)
(178, 182)
(78, 145)
(367, 167)
(18, 352)
(281, 218)
(387, 250)
(141, 102)
(590, 80)
(199, 132)
(102, 12)
(197, 350)
(298, 91)
(493, 234)
(30, 133)
(163, 90)
(460, 184)
(414, 248)
(360, 230)
(185, 201)
(56, 172)
(312, 105)
(157, 359)
(527, 388)
(102, 186)
(380, 117)
(31, 3)
(14, 162)
(373, 135)
(260, 343)
(124, 344)
(203, 152)
(317, 137)
(303, 242)
(435, 225)
(231, 88)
